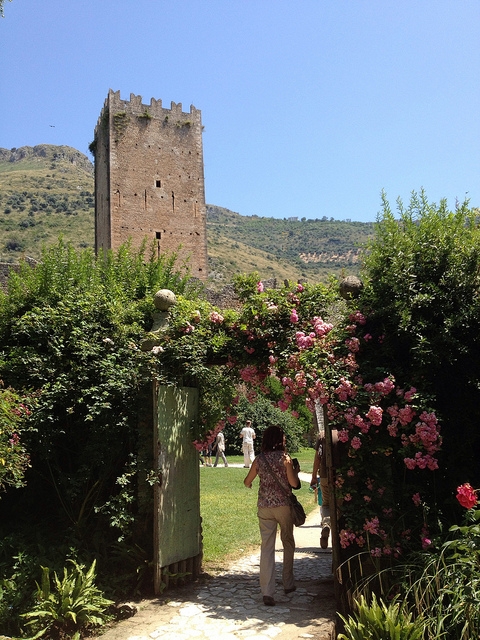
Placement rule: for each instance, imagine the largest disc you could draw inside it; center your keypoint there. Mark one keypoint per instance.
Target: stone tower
(149, 179)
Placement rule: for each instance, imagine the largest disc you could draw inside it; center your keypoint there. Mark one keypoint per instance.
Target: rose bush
(311, 342)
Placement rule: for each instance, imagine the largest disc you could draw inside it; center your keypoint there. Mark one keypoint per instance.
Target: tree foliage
(422, 274)
(70, 330)
(262, 413)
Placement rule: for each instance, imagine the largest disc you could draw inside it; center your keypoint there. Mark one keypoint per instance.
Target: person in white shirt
(248, 435)
(220, 447)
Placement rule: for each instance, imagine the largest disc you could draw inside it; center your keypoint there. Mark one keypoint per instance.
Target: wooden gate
(177, 522)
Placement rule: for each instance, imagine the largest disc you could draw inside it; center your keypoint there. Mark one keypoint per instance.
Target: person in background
(248, 435)
(206, 455)
(320, 481)
(277, 477)
(220, 447)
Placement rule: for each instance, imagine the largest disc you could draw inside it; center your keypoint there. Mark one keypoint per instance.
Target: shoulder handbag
(298, 512)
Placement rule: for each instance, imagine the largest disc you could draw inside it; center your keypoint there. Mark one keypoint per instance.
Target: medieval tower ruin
(149, 179)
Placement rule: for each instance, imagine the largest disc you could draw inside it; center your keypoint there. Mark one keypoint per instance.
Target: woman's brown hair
(273, 439)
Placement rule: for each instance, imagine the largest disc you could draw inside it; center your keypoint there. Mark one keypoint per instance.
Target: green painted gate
(177, 522)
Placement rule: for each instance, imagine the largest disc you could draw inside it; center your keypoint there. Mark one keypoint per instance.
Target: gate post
(177, 531)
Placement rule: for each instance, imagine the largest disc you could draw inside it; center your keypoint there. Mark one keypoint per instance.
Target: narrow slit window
(158, 183)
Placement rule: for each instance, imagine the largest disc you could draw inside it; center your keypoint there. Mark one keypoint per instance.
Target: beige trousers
(269, 518)
(248, 454)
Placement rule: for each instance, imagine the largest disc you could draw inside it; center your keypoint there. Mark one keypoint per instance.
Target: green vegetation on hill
(288, 248)
(47, 191)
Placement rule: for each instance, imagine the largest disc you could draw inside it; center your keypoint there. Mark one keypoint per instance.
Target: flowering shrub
(311, 343)
(441, 585)
(421, 280)
(14, 458)
(390, 442)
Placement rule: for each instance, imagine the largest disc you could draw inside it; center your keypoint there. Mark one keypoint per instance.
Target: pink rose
(406, 415)
(356, 442)
(353, 344)
(426, 542)
(410, 463)
(358, 317)
(410, 394)
(216, 318)
(371, 526)
(375, 415)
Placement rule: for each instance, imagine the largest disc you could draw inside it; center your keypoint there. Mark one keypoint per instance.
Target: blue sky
(310, 107)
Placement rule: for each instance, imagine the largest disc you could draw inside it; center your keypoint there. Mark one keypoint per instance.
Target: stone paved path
(229, 605)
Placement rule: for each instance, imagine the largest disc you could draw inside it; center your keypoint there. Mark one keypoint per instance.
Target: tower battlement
(135, 107)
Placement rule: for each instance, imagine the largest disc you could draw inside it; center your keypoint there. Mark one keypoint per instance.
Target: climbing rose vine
(312, 344)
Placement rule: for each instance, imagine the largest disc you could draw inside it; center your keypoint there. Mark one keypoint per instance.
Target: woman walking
(277, 477)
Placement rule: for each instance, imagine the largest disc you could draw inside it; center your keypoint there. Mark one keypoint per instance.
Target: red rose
(467, 496)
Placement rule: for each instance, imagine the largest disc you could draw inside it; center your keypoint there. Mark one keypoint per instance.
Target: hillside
(47, 191)
(292, 248)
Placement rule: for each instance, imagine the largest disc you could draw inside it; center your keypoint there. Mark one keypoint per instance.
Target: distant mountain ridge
(47, 152)
(48, 190)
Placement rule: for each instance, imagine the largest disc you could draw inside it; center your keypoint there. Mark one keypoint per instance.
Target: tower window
(158, 183)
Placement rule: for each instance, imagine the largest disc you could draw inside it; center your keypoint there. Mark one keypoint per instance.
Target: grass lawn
(229, 510)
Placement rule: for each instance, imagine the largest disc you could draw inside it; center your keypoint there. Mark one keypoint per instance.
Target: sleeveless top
(269, 493)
